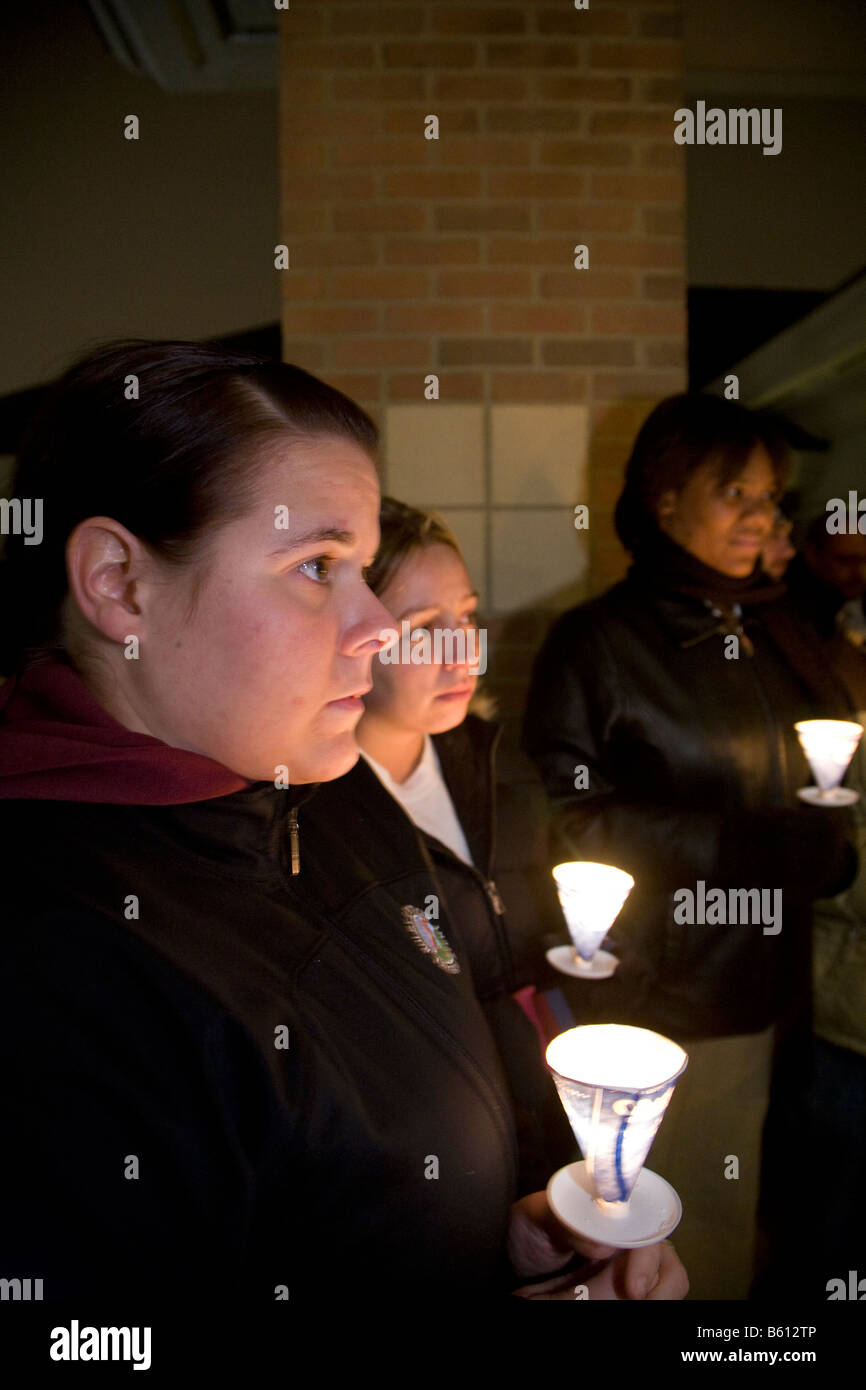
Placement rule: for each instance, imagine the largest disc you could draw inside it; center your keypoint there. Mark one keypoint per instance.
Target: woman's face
(431, 590)
(778, 552)
(267, 667)
(723, 524)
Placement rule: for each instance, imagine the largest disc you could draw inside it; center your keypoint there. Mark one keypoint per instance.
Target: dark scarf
(665, 568)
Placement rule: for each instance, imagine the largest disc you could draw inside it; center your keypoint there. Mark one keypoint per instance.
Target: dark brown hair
(164, 437)
(678, 437)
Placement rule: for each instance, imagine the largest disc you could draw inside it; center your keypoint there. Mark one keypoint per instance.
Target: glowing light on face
(425, 685)
(725, 525)
(266, 669)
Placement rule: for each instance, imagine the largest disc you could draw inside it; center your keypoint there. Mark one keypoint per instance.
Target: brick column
(454, 256)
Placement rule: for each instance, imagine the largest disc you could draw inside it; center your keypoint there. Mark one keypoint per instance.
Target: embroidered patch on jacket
(430, 938)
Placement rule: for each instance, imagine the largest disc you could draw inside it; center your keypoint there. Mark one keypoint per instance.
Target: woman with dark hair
(661, 718)
(228, 1072)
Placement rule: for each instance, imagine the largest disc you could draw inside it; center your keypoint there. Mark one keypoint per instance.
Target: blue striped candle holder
(615, 1083)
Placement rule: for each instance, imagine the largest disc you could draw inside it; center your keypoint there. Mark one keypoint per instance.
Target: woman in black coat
(229, 1073)
(426, 757)
(661, 719)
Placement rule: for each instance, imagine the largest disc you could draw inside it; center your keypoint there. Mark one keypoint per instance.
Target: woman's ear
(666, 504)
(105, 563)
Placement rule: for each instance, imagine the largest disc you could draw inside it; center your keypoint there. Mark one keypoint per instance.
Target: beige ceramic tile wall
(538, 454)
(524, 467)
(470, 527)
(538, 560)
(435, 454)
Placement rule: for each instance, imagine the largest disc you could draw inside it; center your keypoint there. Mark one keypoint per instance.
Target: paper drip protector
(615, 1083)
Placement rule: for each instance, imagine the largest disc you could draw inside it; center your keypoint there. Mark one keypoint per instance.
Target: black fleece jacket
(499, 913)
(221, 1078)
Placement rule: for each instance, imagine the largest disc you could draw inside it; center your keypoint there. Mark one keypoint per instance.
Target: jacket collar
(389, 837)
(466, 755)
(353, 832)
(687, 618)
(246, 832)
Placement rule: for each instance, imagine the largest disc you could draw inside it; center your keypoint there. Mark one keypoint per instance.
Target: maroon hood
(57, 743)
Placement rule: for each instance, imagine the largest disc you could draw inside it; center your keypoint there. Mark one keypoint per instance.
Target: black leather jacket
(693, 765)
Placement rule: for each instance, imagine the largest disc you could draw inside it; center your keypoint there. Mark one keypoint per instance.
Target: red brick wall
(454, 256)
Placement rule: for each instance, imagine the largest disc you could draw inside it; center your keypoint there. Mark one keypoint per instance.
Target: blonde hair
(404, 530)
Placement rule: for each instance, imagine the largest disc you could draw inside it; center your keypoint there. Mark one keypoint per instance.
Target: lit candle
(591, 896)
(615, 1083)
(829, 744)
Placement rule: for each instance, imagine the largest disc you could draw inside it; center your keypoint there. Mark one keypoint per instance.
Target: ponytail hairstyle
(404, 530)
(166, 438)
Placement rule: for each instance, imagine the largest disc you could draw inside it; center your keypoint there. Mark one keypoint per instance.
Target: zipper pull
(746, 642)
(493, 895)
(294, 840)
